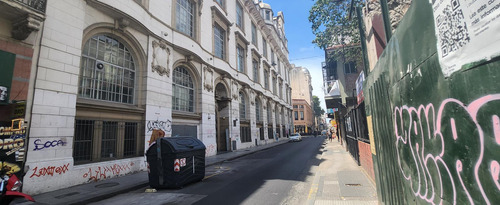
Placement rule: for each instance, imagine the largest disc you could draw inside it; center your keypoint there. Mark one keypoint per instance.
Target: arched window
(258, 114)
(183, 90)
(243, 106)
(108, 71)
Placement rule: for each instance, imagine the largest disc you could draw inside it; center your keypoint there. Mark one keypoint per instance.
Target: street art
(450, 155)
(39, 145)
(49, 171)
(104, 172)
(159, 125)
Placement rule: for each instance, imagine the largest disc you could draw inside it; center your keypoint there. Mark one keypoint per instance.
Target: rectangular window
(130, 139)
(239, 15)
(240, 52)
(268, 15)
(264, 47)
(296, 115)
(274, 84)
(255, 66)
(272, 57)
(279, 66)
(109, 135)
(185, 17)
(245, 134)
(350, 67)
(82, 144)
(281, 89)
(266, 79)
(254, 34)
(301, 115)
(104, 138)
(219, 41)
(295, 106)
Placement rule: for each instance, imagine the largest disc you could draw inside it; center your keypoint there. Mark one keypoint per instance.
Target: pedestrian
(331, 137)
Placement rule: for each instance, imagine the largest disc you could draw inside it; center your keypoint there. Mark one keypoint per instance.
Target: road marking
(220, 171)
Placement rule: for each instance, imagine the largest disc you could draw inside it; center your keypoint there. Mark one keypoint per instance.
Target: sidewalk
(339, 180)
(91, 192)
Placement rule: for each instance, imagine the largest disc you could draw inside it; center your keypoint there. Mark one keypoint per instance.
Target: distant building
(303, 114)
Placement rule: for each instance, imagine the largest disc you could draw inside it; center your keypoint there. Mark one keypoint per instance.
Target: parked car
(295, 137)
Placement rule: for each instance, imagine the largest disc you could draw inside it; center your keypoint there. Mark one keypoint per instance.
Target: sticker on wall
(467, 31)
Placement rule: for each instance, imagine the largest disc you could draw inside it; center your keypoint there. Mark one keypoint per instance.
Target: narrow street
(307, 172)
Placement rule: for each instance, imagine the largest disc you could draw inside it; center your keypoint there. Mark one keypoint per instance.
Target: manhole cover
(66, 195)
(106, 185)
(352, 184)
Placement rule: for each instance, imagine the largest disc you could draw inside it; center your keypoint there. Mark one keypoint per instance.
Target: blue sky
(298, 32)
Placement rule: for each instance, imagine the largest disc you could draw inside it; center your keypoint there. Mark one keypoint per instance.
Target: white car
(295, 137)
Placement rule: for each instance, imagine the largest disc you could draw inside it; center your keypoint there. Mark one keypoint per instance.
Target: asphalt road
(266, 177)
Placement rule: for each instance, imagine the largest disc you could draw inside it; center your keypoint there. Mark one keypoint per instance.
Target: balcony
(25, 16)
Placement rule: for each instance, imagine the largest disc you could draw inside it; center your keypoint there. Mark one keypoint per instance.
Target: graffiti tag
(450, 155)
(50, 170)
(104, 172)
(160, 125)
(39, 145)
(210, 149)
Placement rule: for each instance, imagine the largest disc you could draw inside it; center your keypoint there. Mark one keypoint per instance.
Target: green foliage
(318, 111)
(332, 27)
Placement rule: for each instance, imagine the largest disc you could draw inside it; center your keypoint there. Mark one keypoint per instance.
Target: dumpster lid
(182, 144)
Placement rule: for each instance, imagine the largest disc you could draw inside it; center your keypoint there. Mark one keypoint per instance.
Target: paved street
(307, 172)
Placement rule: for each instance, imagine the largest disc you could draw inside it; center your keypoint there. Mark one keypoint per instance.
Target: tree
(332, 27)
(318, 111)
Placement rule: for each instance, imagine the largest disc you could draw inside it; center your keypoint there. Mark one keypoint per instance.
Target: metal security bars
(82, 145)
(129, 145)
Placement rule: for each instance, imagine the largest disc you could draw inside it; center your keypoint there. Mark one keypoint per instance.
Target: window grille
(261, 132)
(183, 90)
(129, 148)
(185, 17)
(107, 71)
(109, 136)
(82, 144)
(245, 134)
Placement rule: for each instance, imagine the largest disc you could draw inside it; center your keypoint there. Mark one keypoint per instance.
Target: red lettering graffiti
(104, 172)
(49, 171)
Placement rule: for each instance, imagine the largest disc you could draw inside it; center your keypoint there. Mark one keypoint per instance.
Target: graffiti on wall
(39, 145)
(49, 170)
(210, 149)
(159, 125)
(109, 171)
(450, 154)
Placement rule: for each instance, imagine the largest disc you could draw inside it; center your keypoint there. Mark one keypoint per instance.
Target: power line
(305, 58)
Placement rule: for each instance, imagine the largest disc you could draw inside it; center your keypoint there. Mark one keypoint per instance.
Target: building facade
(110, 74)
(303, 119)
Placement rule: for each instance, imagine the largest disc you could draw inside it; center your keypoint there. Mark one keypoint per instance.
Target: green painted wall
(437, 139)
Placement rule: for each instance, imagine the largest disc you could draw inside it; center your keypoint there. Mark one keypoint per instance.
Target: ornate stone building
(107, 74)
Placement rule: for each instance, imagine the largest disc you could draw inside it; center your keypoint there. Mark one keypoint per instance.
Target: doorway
(222, 117)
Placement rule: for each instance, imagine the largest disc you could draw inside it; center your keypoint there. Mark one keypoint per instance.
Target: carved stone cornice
(23, 27)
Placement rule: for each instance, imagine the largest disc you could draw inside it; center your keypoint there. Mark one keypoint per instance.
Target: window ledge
(105, 105)
(186, 115)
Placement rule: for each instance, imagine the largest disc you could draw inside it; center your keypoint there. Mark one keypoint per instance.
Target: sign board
(466, 31)
(359, 87)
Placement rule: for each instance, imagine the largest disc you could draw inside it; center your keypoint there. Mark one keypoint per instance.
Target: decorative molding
(161, 58)
(208, 75)
(122, 24)
(252, 97)
(235, 90)
(23, 27)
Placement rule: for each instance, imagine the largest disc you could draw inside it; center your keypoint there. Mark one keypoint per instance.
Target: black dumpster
(175, 161)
